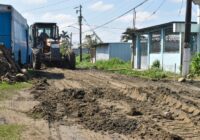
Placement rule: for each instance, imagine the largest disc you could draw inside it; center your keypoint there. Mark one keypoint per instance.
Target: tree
(127, 35)
(65, 43)
(90, 42)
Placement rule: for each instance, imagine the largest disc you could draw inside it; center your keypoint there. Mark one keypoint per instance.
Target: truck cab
(47, 33)
(45, 44)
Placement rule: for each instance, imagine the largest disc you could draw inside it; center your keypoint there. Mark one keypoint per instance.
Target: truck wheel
(72, 60)
(36, 60)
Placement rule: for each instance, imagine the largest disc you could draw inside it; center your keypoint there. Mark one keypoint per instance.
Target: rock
(24, 71)
(168, 115)
(21, 77)
(5, 79)
(182, 80)
(190, 80)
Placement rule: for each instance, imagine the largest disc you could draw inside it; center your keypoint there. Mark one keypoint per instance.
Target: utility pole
(80, 17)
(186, 49)
(133, 39)
(134, 19)
(71, 41)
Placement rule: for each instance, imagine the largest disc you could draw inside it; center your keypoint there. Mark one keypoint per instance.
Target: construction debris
(10, 71)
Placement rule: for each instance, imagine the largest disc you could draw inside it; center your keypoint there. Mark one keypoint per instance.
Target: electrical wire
(161, 4)
(45, 6)
(92, 30)
(112, 20)
(181, 7)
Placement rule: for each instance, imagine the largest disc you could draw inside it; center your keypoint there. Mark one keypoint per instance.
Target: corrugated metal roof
(157, 27)
(106, 44)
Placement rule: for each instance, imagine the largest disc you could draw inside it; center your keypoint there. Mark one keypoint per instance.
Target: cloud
(101, 6)
(141, 17)
(34, 2)
(62, 20)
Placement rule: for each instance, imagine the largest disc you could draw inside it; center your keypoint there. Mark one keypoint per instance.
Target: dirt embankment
(154, 110)
(9, 70)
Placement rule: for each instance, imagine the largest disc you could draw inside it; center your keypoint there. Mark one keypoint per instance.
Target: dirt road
(93, 105)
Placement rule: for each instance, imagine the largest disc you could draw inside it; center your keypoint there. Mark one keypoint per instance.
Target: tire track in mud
(164, 105)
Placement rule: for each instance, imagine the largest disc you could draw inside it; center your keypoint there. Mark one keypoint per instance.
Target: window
(156, 47)
(47, 31)
(172, 41)
(143, 43)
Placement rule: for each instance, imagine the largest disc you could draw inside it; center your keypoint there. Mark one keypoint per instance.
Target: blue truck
(14, 34)
(37, 44)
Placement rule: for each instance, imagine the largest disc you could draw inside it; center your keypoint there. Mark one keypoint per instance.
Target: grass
(10, 132)
(15, 86)
(121, 67)
(8, 90)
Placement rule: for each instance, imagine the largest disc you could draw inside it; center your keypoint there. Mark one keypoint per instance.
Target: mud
(84, 106)
(131, 107)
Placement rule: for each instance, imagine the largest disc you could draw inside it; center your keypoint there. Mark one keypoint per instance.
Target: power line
(161, 4)
(92, 30)
(181, 8)
(110, 21)
(48, 5)
(107, 27)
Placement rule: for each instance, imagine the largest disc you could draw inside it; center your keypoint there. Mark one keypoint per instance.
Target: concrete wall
(144, 62)
(154, 57)
(172, 62)
(121, 51)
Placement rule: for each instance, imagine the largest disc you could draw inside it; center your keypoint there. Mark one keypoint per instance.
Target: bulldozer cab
(40, 32)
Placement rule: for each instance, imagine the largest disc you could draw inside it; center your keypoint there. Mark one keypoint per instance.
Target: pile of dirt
(95, 109)
(10, 72)
(82, 105)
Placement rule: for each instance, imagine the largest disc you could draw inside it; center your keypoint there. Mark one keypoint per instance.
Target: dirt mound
(10, 71)
(102, 110)
(82, 105)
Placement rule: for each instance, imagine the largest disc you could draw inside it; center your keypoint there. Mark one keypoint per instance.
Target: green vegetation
(5, 87)
(156, 64)
(85, 64)
(10, 132)
(195, 65)
(15, 86)
(121, 67)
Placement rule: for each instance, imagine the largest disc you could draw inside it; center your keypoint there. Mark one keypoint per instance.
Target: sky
(98, 12)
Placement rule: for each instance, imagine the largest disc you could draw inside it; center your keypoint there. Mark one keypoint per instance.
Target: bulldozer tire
(72, 60)
(36, 60)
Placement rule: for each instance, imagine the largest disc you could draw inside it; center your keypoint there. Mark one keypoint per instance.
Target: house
(106, 51)
(164, 43)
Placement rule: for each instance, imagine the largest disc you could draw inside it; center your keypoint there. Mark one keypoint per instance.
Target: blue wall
(114, 50)
(5, 29)
(102, 53)
(120, 50)
(14, 33)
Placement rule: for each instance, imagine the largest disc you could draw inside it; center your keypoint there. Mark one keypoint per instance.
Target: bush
(64, 48)
(85, 58)
(195, 65)
(156, 64)
(110, 64)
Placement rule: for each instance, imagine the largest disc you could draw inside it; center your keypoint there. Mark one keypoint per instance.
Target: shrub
(156, 64)
(110, 64)
(195, 65)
